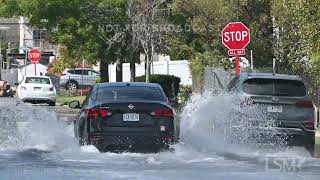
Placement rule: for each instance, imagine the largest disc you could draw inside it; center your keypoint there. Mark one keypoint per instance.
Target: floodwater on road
(35, 144)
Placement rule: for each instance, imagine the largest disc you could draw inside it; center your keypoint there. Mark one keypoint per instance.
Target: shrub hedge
(170, 84)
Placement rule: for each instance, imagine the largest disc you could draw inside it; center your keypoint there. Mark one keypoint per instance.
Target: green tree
(199, 40)
(297, 47)
(256, 14)
(78, 25)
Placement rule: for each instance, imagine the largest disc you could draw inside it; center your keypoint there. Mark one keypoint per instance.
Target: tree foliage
(78, 25)
(297, 45)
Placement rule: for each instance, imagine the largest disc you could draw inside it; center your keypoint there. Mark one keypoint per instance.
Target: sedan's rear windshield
(129, 94)
(275, 87)
(37, 80)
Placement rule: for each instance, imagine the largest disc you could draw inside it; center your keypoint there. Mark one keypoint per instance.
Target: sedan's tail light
(304, 104)
(51, 89)
(309, 125)
(166, 112)
(98, 113)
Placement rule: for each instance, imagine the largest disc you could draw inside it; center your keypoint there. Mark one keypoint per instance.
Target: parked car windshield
(37, 80)
(129, 94)
(276, 87)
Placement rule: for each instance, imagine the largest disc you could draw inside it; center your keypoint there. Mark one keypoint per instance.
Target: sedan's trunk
(132, 116)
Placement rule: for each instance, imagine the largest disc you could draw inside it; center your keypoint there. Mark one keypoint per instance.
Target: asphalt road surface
(36, 142)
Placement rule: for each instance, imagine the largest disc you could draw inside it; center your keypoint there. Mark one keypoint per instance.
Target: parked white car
(78, 77)
(37, 89)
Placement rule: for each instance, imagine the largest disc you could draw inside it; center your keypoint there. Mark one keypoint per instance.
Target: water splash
(25, 127)
(218, 122)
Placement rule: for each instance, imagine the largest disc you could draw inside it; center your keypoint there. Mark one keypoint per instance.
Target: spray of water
(25, 127)
(205, 128)
(222, 122)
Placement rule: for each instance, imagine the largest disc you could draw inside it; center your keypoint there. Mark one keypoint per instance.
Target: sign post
(236, 36)
(34, 56)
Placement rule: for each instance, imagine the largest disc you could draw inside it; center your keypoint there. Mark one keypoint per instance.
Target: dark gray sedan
(126, 116)
(285, 99)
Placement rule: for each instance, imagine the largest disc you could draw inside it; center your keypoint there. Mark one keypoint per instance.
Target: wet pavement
(37, 142)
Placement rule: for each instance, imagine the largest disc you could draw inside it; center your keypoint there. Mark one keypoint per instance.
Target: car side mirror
(74, 105)
(16, 84)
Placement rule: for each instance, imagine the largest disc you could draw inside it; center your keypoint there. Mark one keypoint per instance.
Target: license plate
(37, 88)
(130, 117)
(276, 109)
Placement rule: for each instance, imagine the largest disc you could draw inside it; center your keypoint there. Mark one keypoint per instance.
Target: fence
(75, 86)
(56, 82)
(10, 75)
(309, 80)
(177, 68)
(216, 78)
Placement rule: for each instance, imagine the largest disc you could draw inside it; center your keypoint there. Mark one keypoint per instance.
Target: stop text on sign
(34, 55)
(235, 36)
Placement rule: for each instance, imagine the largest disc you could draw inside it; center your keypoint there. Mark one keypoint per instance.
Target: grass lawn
(64, 100)
(318, 140)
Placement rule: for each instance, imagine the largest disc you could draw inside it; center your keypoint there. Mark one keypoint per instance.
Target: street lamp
(3, 28)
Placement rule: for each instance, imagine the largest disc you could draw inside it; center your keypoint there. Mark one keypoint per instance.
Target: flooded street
(37, 144)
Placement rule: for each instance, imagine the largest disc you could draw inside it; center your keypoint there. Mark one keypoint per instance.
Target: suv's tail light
(96, 113)
(166, 112)
(309, 125)
(304, 104)
(51, 89)
(23, 88)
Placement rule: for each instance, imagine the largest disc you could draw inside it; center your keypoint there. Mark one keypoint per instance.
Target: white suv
(78, 77)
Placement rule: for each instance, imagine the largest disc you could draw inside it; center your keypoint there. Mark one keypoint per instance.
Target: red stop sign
(235, 35)
(34, 56)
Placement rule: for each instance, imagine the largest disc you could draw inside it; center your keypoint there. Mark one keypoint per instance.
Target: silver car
(282, 97)
(78, 77)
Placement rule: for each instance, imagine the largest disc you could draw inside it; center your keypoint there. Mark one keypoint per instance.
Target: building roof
(9, 21)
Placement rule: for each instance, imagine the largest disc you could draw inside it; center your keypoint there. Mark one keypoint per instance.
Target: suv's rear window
(129, 93)
(276, 87)
(37, 80)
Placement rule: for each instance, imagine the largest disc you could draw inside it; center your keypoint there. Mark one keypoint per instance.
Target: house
(19, 37)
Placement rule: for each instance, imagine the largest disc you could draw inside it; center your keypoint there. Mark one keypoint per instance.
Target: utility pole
(1, 41)
(1, 60)
(251, 53)
(0, 55)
